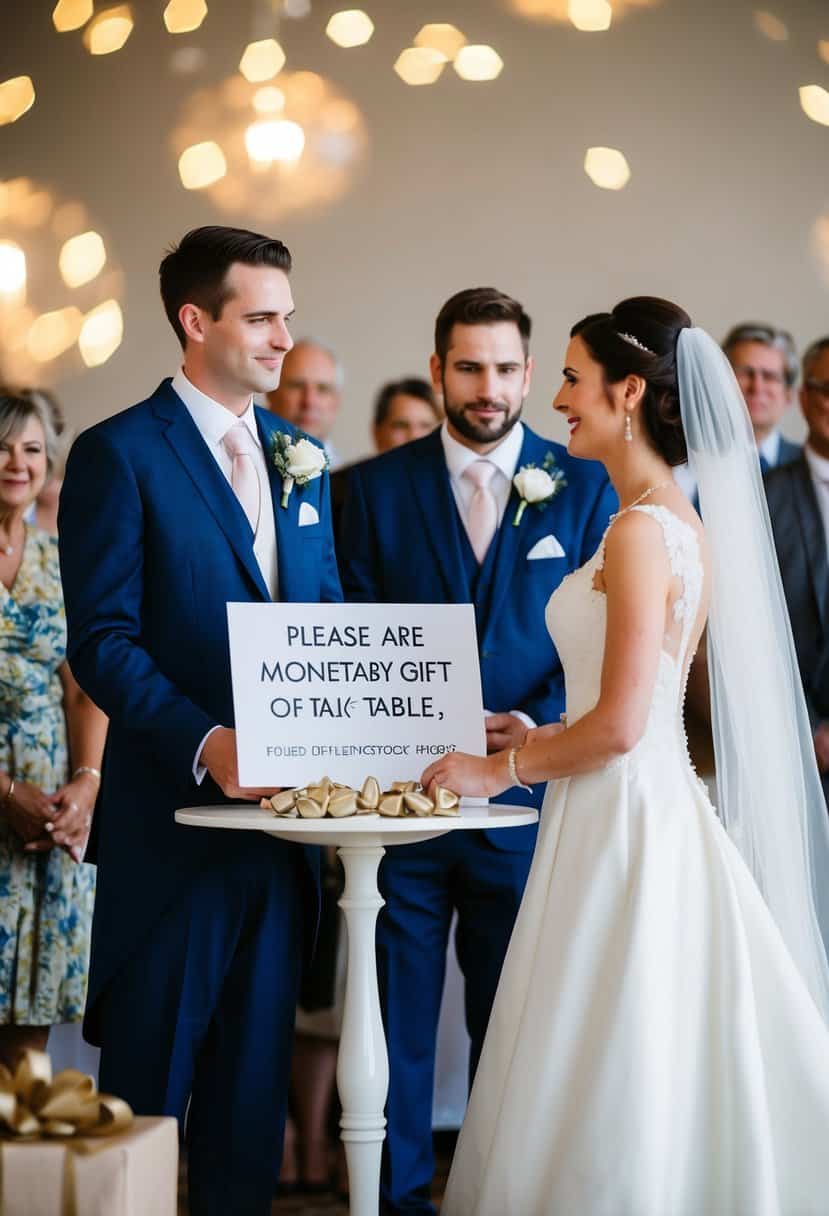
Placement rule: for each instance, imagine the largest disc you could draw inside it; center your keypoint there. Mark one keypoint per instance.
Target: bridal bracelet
(86, 768)
(513, 771)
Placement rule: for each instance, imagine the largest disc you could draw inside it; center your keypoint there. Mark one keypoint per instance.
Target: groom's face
(244, 347)
(484, 380)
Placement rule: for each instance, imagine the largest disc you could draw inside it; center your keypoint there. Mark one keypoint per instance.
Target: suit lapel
(210, 483)
(433, 494)
(814, 537)
(286, 519)
(514, 543)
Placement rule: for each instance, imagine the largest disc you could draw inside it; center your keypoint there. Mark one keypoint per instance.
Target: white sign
(352, 690)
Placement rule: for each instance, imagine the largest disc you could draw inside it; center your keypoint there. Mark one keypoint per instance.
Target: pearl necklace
(660, 485)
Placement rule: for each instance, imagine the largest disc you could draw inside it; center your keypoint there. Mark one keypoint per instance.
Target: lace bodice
(577, 620)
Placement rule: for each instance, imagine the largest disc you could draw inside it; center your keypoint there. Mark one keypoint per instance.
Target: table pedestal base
(362, 1063)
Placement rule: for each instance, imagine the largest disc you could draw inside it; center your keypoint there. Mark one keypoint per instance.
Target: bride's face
(595, 418)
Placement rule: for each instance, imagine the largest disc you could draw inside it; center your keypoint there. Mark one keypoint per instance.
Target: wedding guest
(310, 392)
(51, 743)
(404, 410)
(43, 512)
(169, 510)
(798, 499)
(440, 520)
(764, 359)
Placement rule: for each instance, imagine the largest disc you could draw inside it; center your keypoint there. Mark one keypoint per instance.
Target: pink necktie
(483, 510)
(240, 447)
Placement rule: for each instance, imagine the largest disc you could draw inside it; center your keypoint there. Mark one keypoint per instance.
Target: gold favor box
(133, 1173)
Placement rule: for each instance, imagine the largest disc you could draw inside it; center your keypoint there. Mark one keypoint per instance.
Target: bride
(659, 1043)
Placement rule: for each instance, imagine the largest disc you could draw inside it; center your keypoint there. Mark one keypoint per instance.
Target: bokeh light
(607, 168)
(184, 16)
(590, 16)
(82, 258)
(814, 100)
(16, 97)
(108, 32)
(442, 37)
(420, 65)
(262, 60)
(350, 27)
(71, 14)
(332, 126)
(478, 63)
(101, 333)
(770, 26)
(200, 165)
(54, 274)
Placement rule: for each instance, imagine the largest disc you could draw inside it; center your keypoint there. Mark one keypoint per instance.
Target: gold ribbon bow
(34, 1105)
(328, 798)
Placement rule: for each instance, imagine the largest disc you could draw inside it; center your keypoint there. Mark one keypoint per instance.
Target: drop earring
(628, 430)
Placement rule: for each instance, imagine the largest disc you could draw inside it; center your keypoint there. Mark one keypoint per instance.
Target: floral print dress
(45, 898)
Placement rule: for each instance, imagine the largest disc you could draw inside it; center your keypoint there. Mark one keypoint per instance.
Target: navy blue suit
(403, 542)
(197, 935)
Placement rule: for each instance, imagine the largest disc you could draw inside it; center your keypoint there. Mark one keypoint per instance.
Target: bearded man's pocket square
(307, 515)
(548, 546)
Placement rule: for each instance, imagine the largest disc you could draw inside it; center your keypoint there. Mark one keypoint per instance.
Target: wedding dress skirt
(652, 1050)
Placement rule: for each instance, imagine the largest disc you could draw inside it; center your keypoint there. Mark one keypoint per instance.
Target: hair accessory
(629, 338)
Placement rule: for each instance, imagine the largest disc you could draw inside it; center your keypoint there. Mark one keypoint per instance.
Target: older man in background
(765, 363)
(798, 498)
(310, 392)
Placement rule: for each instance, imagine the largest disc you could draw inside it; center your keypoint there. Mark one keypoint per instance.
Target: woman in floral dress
(46, 892)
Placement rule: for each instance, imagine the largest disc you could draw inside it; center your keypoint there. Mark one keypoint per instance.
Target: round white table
(362, 1062)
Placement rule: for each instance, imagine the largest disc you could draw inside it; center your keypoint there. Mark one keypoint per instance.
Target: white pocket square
(548, 546)
(307, 515)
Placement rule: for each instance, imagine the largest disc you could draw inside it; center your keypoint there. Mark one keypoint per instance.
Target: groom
(169, 510)
(433, 522)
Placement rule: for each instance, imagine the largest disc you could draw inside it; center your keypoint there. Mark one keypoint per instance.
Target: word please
(351, 671)
(353, 635)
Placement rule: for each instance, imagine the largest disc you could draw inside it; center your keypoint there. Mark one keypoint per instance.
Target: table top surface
(247, 817)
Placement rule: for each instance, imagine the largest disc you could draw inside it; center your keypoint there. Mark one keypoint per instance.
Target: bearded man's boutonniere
(537, 485)
(298, 461)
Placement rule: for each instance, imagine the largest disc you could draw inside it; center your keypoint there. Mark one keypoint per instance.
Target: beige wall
(463, 183)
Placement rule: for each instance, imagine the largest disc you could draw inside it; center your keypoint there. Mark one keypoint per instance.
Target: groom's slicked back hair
(195, 270)
(479, 306)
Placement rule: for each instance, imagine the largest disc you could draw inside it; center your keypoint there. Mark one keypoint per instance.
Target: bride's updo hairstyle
(639, 338)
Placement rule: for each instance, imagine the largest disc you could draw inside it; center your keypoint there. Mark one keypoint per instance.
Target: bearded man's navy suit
(198, 934)
(403, 541)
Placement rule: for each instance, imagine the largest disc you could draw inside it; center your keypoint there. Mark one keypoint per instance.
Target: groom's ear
(192, 322)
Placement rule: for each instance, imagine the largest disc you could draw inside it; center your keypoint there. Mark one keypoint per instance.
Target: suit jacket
(800, 542)
(403, 542)
(154, 543)
(787, 452)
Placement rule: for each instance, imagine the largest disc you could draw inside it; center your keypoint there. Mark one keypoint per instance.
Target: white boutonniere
(298, 460)
(537, 485)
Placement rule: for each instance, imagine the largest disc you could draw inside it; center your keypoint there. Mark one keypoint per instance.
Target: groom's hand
(504, 730)
(219, 758)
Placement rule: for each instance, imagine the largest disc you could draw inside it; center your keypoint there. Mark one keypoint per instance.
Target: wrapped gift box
(134, 1173)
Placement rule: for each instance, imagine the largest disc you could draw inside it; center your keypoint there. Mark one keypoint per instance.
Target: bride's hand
(473, 776)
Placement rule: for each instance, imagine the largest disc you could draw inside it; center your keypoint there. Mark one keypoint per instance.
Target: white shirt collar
(819, 465)
(212, 418)
(770, 448)
(504, 457)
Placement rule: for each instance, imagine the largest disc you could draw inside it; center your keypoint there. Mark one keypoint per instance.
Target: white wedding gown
(652, 1050)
